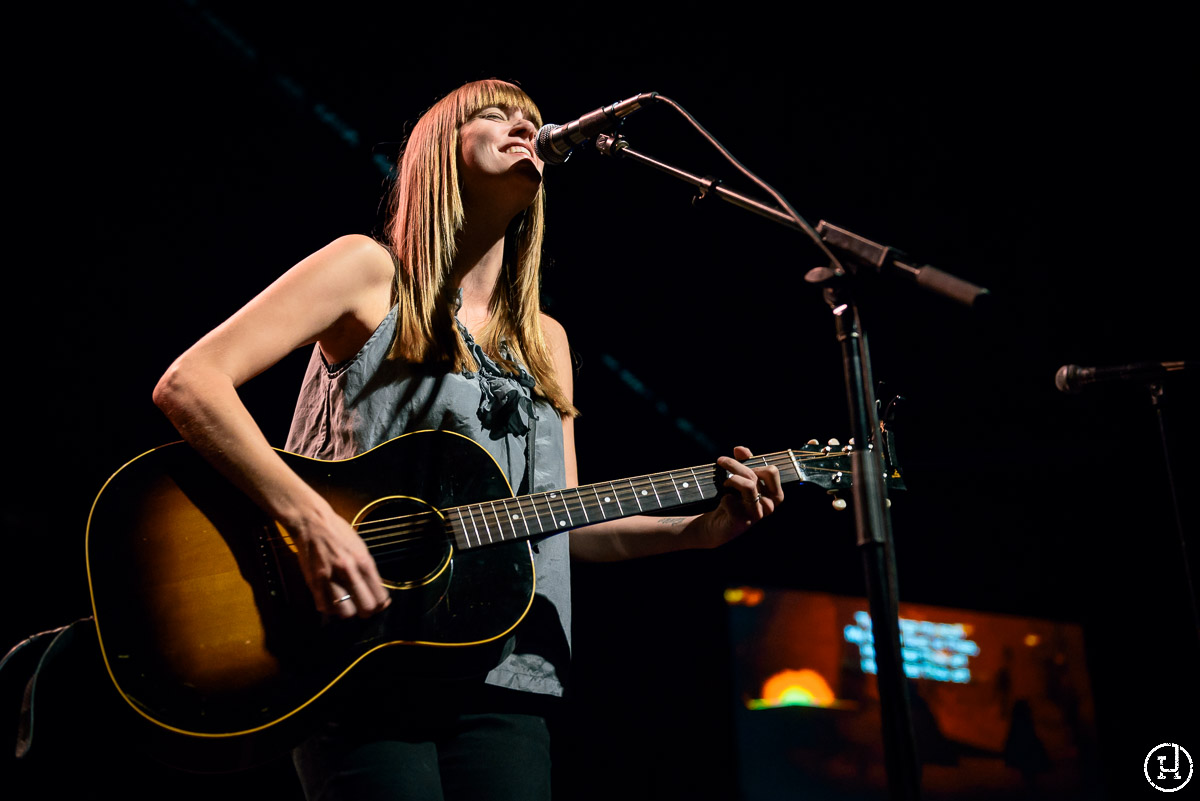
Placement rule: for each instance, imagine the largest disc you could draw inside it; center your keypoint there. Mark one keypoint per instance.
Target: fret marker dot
(686, 485)
(516, 517)
(553, 495)
(562, 522)
(645, 493)
(607, 499)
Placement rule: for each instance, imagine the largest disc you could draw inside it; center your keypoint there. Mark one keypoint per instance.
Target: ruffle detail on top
(505, 402)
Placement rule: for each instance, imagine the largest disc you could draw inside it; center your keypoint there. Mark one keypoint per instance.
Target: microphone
(554, 143)
(1071, 378)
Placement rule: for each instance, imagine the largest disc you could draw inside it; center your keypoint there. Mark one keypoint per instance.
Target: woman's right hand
(338, 568)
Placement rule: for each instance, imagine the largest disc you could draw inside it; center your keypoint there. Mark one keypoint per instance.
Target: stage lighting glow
(743, 596)
(794, 688)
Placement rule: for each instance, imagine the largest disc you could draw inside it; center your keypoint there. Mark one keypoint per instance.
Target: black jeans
(439, 742)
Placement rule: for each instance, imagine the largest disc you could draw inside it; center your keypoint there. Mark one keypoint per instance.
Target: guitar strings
(398, 532)
(647, 480)
(616, 487)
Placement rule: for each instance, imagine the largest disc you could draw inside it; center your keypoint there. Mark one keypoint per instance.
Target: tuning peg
(838, 503)
(812, 442)
(833, 443)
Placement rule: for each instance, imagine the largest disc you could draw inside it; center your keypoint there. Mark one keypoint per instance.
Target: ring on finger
(343, 599)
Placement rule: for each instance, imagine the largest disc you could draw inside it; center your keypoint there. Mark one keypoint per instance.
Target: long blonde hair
(425, 216)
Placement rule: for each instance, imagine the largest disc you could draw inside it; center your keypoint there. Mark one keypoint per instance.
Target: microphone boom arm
(847, 243)
(618, 147)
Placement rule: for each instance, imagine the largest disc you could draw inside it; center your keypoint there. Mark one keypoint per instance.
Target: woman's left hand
(750, 494)
(755, 494)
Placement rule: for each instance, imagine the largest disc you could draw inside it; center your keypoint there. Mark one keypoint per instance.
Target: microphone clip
(611, 144)
(705, 187)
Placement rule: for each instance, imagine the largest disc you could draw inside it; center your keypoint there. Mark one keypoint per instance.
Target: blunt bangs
(481, 94)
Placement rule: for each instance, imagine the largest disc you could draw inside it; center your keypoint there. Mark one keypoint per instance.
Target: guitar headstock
(831, 466)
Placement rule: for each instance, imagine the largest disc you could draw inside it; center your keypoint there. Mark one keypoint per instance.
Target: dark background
(172, 161)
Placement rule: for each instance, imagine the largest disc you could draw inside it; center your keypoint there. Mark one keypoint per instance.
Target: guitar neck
(545, 513)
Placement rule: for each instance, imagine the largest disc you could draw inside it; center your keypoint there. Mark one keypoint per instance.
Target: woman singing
(439, 327)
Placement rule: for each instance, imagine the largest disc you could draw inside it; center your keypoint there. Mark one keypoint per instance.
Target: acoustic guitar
(206, 625)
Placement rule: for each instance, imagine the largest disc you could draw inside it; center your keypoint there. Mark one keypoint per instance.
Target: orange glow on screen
(796, 688)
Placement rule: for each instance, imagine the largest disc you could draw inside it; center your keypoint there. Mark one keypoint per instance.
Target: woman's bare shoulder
(360, 273)
(362, 257)
(553, 331)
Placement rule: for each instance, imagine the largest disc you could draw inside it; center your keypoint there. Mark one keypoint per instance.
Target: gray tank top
(351, 407)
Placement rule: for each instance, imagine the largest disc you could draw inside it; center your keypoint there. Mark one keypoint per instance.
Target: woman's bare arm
(335, 297)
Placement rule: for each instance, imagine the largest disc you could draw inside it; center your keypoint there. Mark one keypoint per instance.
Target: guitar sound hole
(407, 539)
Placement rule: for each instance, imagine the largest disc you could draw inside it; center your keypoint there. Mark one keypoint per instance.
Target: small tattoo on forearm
(671, 521)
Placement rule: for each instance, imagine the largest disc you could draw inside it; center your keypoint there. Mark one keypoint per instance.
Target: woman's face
(497, 162)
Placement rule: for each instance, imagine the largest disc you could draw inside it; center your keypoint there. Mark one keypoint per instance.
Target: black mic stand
(873, 523)
(874, 537)
(1158, 401)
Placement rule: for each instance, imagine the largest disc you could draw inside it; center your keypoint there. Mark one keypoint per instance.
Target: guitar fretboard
(550, 512)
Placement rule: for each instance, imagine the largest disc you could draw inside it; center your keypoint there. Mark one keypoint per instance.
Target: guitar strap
(47, 653)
